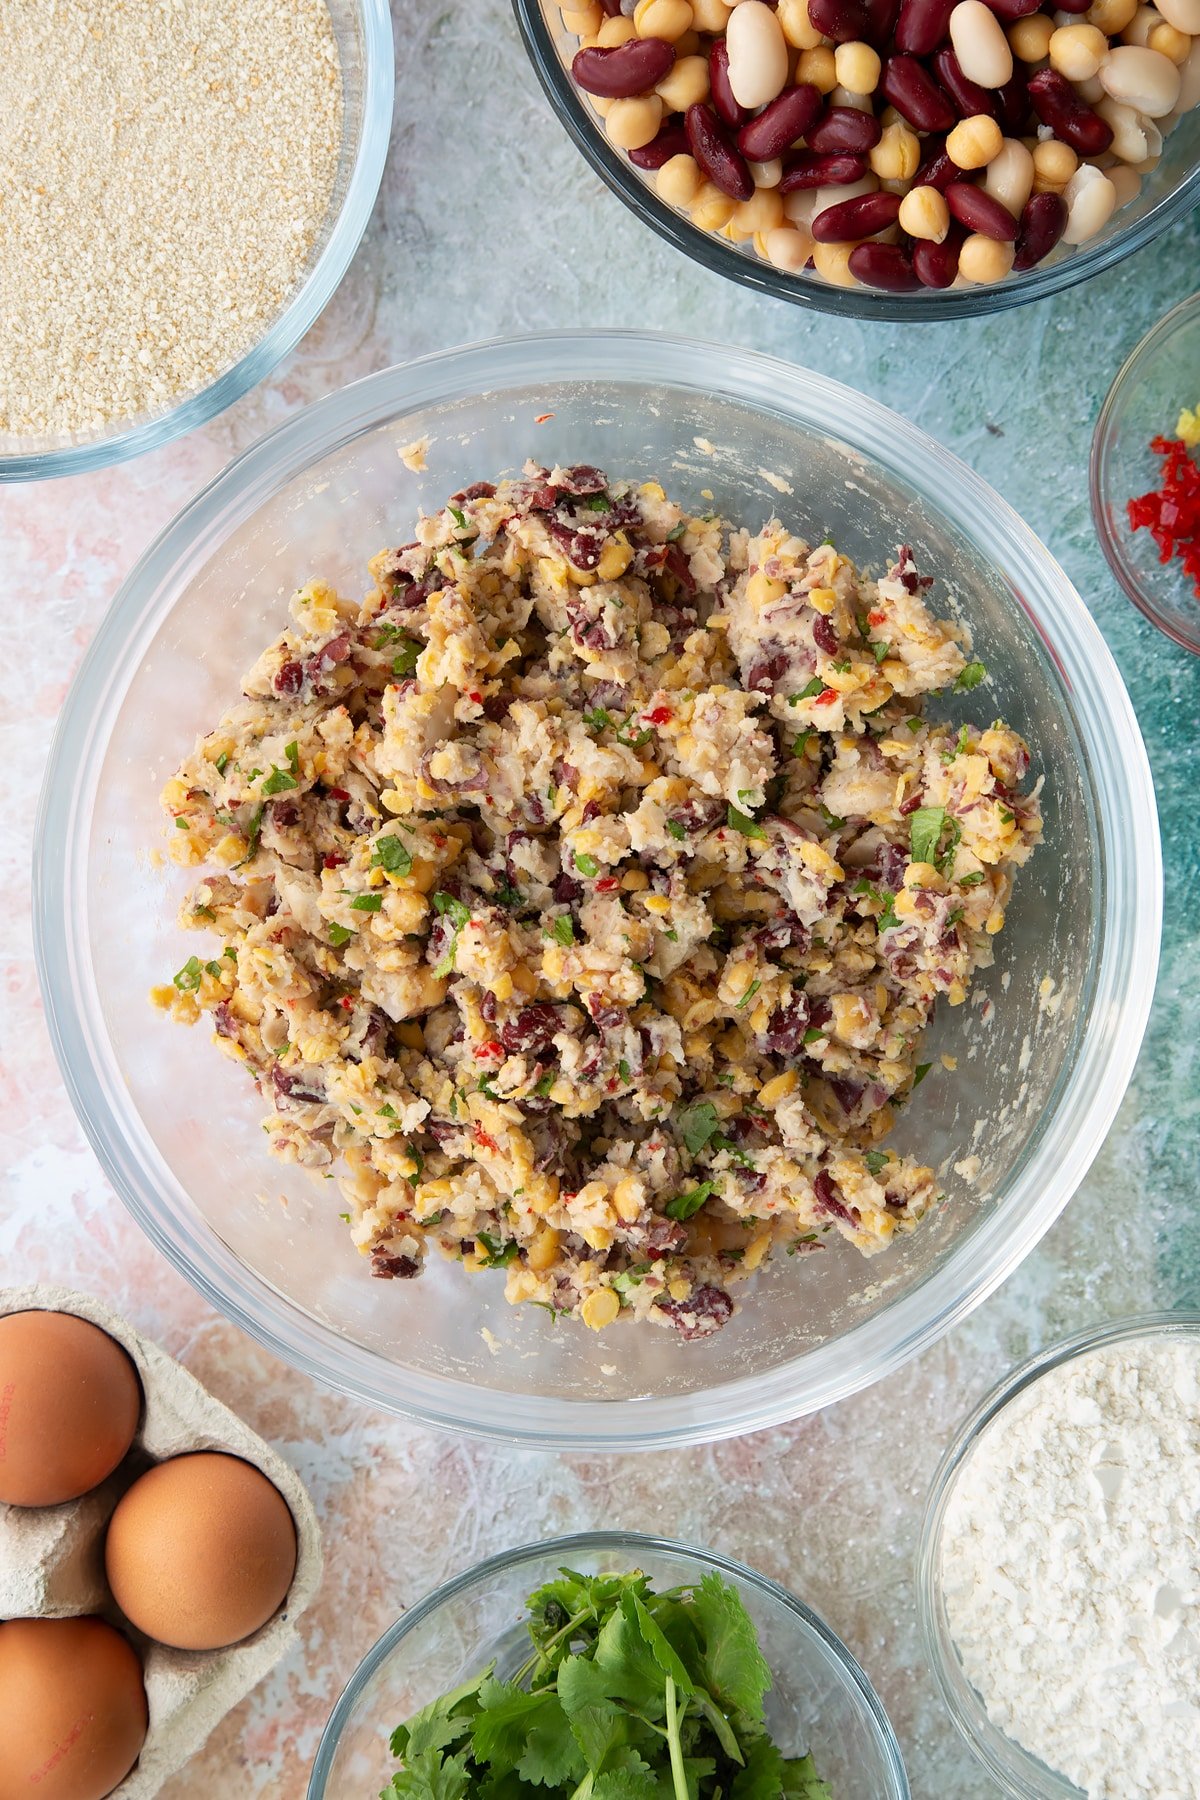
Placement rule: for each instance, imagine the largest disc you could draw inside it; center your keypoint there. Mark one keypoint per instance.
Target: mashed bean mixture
(584, 892)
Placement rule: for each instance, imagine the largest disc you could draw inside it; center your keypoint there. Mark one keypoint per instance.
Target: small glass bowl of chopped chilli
(181, 296)
(1145, 475)
(1072, 1427)
(819, 1704)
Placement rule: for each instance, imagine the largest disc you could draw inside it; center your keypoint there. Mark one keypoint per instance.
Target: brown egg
(69, 1405)
(72, 1709)
(201, 1551)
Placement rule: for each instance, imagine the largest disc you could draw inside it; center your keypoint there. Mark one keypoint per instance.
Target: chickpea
(684, 85)
(924, 214)
(832, 263)
(679, 181)
(819, 67)
(1077, 51)
(858, 67)
(1029, 38)
(615, 31)
(897, 155)
(984, 260)
(633, 123)
(798, 28)
(1111, 16)
(711, 209)
(975, 141)
(1170, 42)
(667, 19)
(710, 15)
(789, 249)
(1054, 163)
(584, 23)
(762, 212)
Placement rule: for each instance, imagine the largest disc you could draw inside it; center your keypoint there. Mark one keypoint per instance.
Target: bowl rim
(1021, 1775)
(301, 311)
(570, 1545)
(1103, 441)
(1129, 874)
(715, 254)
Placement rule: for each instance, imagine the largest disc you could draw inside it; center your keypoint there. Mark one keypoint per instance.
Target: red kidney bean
(845, 130)
(671, 141)
(937, 168)
(884, 266)
(1072, 6)
(861, 217)
(911, 89)
(625, 70)
(1013, 102)
(845, 21)
(924, 24)
(1011, 10)
(966, 94)
(715, 154)
(780, 123)
(718, 81)
(1057, 104)
(807, 170)
(936, 265)
(1043, 222)
(980, 211)
(882, 15)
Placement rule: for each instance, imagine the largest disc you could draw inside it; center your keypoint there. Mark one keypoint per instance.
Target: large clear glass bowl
(1161, 375)
(363, 29)
(1168, 193)
(1018, 1773)
(1044, 1055)
(821, 1704)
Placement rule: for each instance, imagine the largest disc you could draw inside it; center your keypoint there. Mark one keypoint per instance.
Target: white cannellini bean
(799, 208)
(833, 196)
(788, 248)
(1091, 199)
(1009, 176)
(843, 97)
(980, 44)
(1141, 25)
(1133, 136)
(1189, 82)
(1144, 79)
(1184, 15)
(1127, 184)
(767, 174)
(758, 54)
(1090, 90)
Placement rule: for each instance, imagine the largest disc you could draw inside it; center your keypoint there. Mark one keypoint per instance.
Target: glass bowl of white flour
(1059, 1572)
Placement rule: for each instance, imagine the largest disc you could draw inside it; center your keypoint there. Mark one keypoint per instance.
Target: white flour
(1071, 1570)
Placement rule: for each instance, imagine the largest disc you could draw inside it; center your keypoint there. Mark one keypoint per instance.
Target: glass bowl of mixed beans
(885, 158)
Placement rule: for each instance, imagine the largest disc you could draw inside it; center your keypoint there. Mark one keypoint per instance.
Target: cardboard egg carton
(52, 1558)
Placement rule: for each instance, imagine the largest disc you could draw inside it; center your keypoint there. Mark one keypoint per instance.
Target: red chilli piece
(885, 266)
(980, 211)
(858, 218)
(780, 124)
(671, 141)
(728, 109)
(807, 170)
(908, 86)
(924, 24)
(717, 158)
(1057, 104)
(845, 130)
(620, 72)
(1043, 221)
(967, 95)
(1171, 512)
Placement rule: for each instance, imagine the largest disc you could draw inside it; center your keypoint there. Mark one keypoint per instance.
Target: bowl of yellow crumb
(184, 189)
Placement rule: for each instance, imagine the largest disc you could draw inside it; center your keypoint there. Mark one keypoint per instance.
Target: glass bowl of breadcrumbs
(181, 191)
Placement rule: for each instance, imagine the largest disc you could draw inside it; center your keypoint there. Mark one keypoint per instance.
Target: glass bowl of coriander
(603, 1664)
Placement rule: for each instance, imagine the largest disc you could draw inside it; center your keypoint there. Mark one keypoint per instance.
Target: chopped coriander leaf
(499, 1251)
(676, 829)
(181, 824)
(842, 667)
(926, 825)
(544, 1085)
(677, 531)
(801, 743)
(697, 1125)
(459, 517)
(214, 968)
(914, 725)
(255, 833)
(813, 1033)
(292, 752)
(971, 880)
(969, 677)
(948, 756)
(444, 903)
(278, 781)
(509, 896)
(587, 865)
(816, 686)
(749, 994)
(187, 979)
(345, 1216)
(882, 651)
(921, 1071)
(406, 662)
(599, 719)
(954, 916)
(433, 1219)
(230, 952)
(876, 1161)
(1006, 816)
(390, 854)
(623, 1069)
(684, 1205)
(366, 903)
(485, 1087)
(222, 762)
(742, 822)
(386, 1112)
(562, 930)
(596, 503)
(671, 934)
(888, 918)
(830, 818)
(387, 634)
